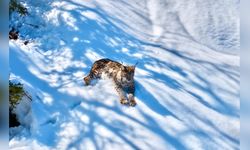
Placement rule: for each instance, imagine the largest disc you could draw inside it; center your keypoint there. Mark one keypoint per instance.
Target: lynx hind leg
(87, 80)
(92, 74)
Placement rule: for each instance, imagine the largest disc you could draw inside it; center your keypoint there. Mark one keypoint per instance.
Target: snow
(187, 77)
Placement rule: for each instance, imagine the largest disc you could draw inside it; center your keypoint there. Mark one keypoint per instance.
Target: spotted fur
(122, 76)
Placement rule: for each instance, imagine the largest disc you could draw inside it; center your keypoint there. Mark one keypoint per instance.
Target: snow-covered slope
(187, 79)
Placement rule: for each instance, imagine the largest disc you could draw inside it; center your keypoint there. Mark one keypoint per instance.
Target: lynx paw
(124, 101)
(132, 103)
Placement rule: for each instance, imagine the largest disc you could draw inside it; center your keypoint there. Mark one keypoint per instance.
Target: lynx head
(128, 73)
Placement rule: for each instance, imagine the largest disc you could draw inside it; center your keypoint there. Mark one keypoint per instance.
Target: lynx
(122, 76)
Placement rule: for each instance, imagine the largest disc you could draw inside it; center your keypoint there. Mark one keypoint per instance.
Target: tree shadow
(98, 38)
(150, 100)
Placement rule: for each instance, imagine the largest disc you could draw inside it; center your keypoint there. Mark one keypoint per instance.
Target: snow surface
(187, 79)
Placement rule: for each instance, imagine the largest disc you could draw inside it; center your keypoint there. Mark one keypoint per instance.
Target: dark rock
(13, 122)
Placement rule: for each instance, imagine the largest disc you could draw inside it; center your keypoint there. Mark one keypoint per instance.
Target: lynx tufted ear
(136, 64)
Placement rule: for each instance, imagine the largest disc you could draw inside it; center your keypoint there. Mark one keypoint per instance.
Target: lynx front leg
(131, 98)
(121, 94)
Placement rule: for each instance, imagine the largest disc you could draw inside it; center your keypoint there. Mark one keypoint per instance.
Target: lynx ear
(133, 67)
(136, 64)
